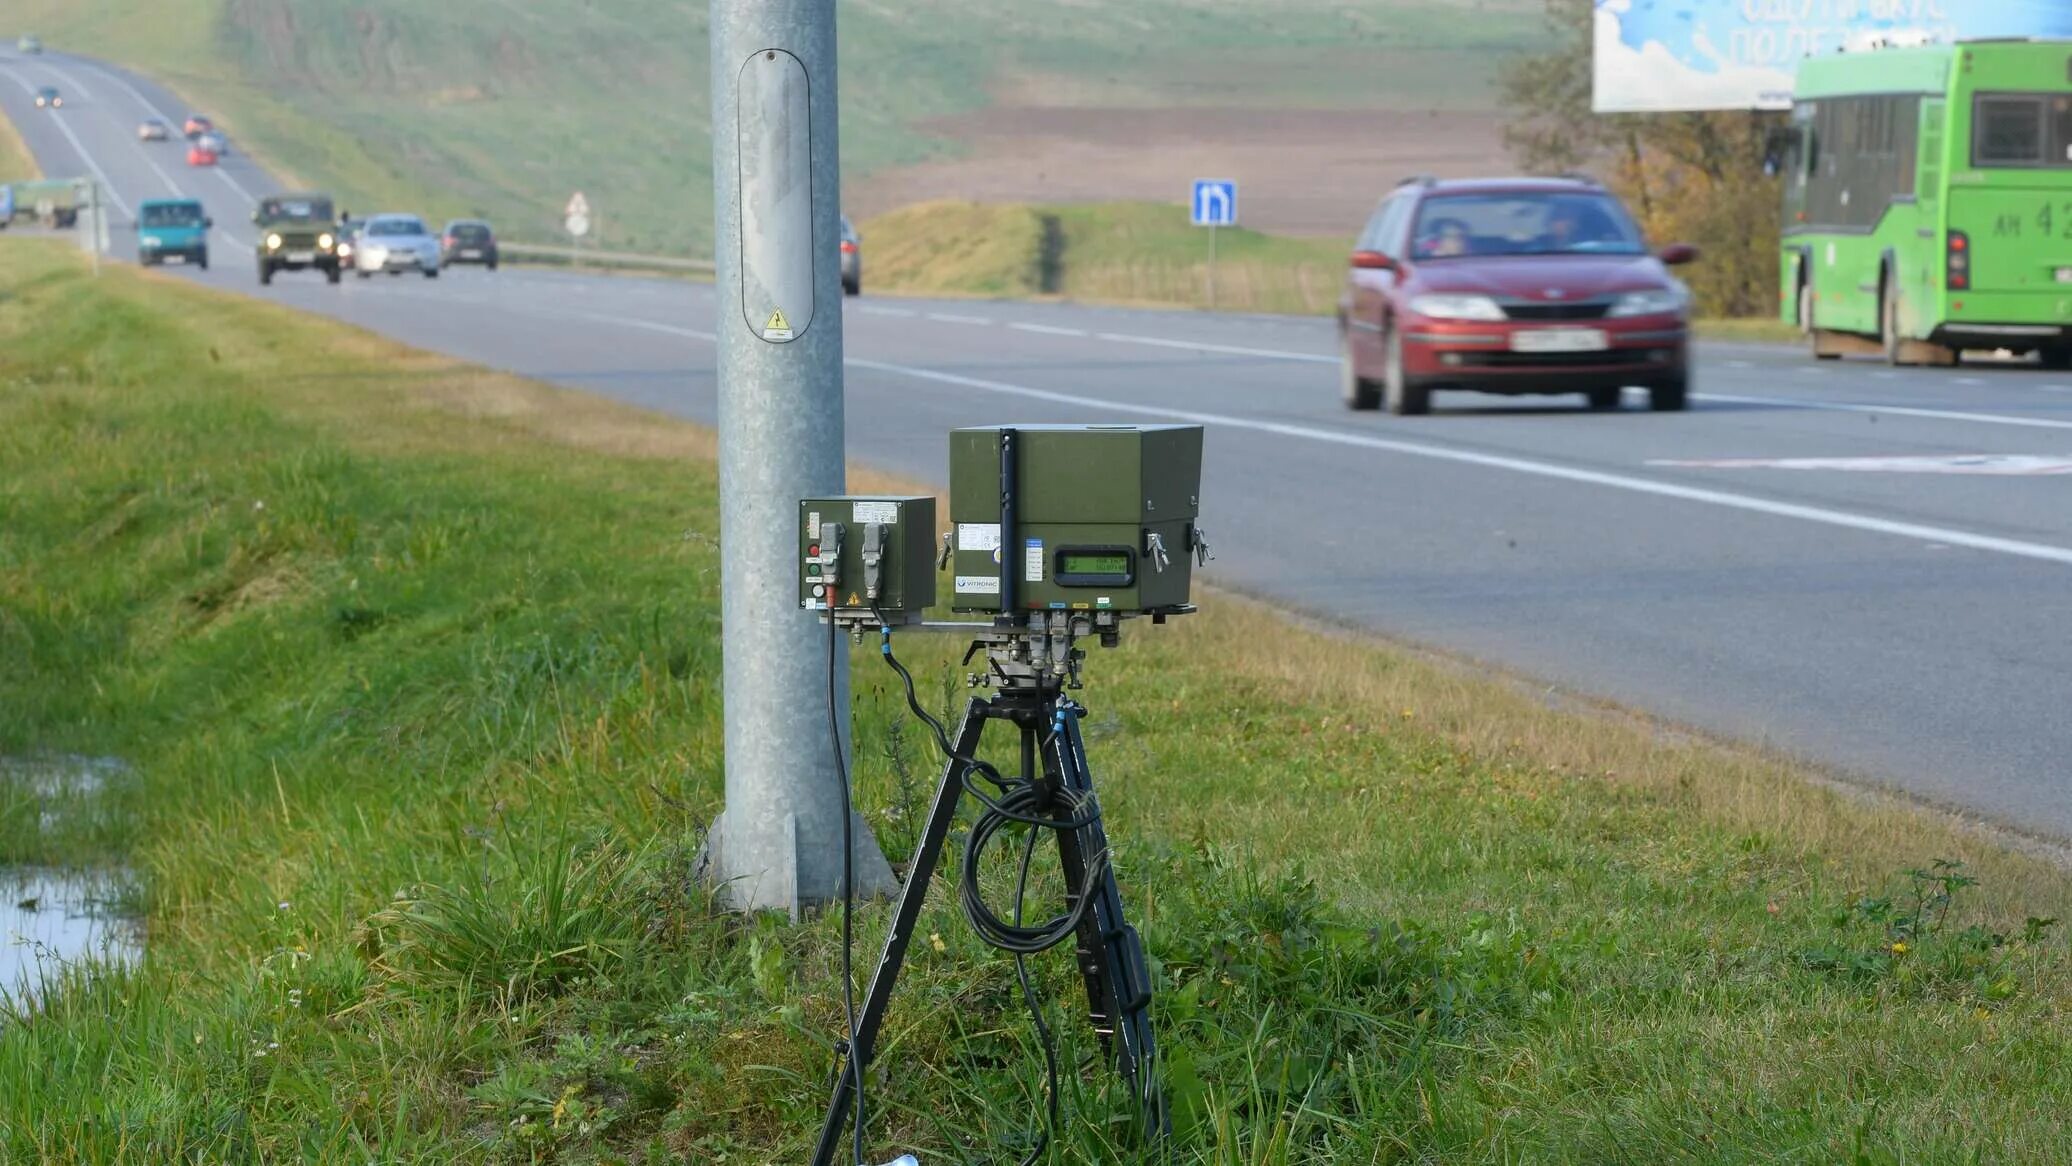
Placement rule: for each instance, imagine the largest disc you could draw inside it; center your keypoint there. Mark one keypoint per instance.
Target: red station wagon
(1515, 286)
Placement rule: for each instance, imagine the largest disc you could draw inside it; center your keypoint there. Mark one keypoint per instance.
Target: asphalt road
(1899, 606)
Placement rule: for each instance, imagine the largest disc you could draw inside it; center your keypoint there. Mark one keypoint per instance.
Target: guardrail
(580, 256)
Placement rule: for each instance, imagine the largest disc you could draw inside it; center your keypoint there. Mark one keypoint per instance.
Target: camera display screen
(1093, 563)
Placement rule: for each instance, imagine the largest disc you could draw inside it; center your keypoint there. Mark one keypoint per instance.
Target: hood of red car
(1551, 278)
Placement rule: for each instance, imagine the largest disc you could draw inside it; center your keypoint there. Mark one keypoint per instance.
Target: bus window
(2022, 130)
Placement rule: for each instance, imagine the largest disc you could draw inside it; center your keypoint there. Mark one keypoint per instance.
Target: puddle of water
(51, 918)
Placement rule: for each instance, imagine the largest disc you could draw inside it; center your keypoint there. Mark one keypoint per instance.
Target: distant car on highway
(173, 228)
(200, 154)
(396, 244)
(214, 142)
(49, 98)
(468, 241)
(153, 130)
(1514, 286)
(29, 45)
(296, 232)
(196, 126)
(852, 259)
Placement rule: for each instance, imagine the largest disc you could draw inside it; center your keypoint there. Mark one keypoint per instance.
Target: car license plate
(1560, 340)
(2065, 275)
(471, 253)
(301, 256)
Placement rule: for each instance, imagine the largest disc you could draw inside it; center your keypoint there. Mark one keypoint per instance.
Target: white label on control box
(978, 584)
(978, 536)
(877, 514)
(813, 525)
(1032, 561)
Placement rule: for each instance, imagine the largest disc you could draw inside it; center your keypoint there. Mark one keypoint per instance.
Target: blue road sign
(1215, 202)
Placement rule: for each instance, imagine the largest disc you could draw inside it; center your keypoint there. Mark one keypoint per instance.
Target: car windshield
(395, 227)
(179, 214)
(1530, 223)
(470, 231)
(304, 209)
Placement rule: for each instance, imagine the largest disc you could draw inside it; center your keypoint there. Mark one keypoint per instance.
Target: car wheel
(491, 265)
(332, 274)
(363, 273)
(431, 273)
(1670, 396)
(852, 287)
(1606, 400)
(1404, 398)
(201, 260)
(265, 273)
(1360, 393)
(395, 271)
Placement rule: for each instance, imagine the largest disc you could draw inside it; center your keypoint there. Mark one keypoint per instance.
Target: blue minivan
(173, 228)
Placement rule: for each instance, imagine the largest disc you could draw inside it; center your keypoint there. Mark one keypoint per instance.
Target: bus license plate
(1560, 340)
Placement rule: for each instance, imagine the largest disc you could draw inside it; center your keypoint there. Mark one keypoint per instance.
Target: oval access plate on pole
(577, 217)
(776, 168)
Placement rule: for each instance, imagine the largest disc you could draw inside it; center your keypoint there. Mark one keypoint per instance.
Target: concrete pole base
(759, 870)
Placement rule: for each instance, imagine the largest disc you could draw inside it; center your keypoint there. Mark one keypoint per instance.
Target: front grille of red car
(1576, 311)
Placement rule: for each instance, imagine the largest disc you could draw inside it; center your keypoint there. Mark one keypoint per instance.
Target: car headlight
(1457, 307)
(153, 241)
(1660, 301)
(324, 242)
(273, 242)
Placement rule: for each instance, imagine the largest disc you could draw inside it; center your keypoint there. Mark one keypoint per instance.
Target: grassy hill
(503, 107)
(1106, 252)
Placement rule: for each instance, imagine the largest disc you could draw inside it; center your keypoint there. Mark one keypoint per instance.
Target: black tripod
(1111, 956)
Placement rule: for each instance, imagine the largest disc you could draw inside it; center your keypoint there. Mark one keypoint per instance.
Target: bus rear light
(1959, 262)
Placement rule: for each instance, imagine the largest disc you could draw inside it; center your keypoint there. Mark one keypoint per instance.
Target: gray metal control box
(1102, 517)
(861, 554)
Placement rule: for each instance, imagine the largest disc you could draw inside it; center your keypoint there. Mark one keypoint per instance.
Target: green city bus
(1928, 201)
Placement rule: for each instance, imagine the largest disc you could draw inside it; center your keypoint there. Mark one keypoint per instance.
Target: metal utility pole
(776, 176)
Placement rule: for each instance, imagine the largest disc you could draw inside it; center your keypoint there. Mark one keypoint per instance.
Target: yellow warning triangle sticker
(853, 600)
(777, 322)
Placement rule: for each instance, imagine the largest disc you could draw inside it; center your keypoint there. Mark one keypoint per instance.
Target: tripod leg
(941, 815)
(1111, 954)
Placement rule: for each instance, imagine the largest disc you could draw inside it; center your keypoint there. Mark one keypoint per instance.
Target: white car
(395, 244)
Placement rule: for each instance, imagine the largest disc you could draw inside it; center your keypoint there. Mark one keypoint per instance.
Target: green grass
(1757, 330)
(415, 669)
(504, 107)
(1103, 252)
(15, 163)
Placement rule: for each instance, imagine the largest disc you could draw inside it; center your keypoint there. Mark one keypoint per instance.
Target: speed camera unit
(1096, 517)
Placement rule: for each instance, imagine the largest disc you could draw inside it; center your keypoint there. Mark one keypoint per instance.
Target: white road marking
(160, 171)
(1220, 349)
(951, 318)
(235, 184)
(1890, 410)
(874, 310)
(1047, 330)
(1740, 364)
(2004, 465)
(2017, 548)
(1969, 381)
(2054, 388)
(142, 100)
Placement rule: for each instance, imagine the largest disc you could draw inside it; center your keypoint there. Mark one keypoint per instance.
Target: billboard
(1661, 55)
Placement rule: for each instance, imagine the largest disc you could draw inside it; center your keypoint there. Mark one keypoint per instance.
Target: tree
(1689, 177)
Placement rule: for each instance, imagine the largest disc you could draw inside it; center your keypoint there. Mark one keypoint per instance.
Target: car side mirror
(1678, 254)
(207, 223)
(1373, 261)
(255, 216)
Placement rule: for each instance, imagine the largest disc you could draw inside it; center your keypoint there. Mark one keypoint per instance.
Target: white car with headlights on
(395, 244)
